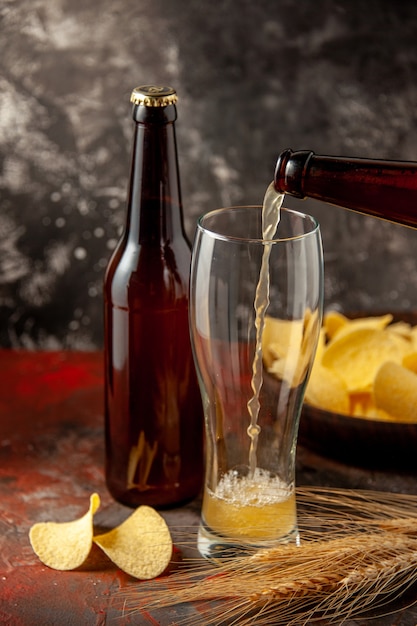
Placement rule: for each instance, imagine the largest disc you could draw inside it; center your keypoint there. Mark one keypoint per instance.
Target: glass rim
(306, 217)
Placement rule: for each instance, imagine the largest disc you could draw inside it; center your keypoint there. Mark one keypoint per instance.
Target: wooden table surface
(51, 460)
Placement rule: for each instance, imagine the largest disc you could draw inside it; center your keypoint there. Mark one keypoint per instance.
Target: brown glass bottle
(153, 409)
(384, 189)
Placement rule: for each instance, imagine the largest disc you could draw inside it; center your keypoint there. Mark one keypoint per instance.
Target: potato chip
(413, 333)
(278, 337)
(356, 356)
(410, 361)
(65, 545)
(363, 405)
(311, 335)
(350, 353)
(334, 321)
(321, 345)
(373, 323)
(395, 391)
(141, 546)
(401, 328)
(287, 346)
(379, 414)
(326, 390)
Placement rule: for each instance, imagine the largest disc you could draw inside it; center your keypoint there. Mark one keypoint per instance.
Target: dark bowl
(360, 441)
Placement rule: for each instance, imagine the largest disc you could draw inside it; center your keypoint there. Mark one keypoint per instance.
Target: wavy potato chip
(65, 545)
(356, 356)
(413, 333)
(326, 390)
(373, 323)
(141, 546)
(278, 337)
(321, 345)
(354, 350)
(395, 391)
(287, 346)
(363, 405)
(401, 328)
(410, 361)
(333, 321)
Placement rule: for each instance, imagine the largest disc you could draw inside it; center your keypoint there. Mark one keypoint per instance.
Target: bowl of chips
(361, 399)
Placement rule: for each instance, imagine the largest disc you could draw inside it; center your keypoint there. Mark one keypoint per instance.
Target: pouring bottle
(153, 410)
(384, 189)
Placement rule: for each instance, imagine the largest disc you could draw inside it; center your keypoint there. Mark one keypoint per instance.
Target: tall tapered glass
(255, 317)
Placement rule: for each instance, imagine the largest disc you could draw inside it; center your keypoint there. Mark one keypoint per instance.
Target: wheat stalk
(358, 550)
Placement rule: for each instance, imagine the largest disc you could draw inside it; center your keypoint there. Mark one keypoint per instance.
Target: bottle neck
(384, 189)
(154, 208)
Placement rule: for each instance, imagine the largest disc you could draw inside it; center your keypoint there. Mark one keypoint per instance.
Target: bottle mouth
(290, 171)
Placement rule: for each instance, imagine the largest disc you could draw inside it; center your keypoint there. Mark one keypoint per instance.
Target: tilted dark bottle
(153, 408)
(384, 189)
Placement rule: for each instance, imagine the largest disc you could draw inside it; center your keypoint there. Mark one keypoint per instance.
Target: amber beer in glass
(251, 294)
(153, 411)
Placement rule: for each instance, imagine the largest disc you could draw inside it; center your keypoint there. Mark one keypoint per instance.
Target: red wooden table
(51, 460)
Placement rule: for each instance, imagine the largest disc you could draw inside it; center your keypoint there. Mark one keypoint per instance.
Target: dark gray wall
(337, 77)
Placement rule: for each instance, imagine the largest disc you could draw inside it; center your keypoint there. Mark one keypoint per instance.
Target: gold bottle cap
(153, 96)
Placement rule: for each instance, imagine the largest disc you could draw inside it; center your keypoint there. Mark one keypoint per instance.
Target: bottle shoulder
(151, 273)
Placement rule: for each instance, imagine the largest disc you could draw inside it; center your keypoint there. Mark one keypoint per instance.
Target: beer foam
(256, 490)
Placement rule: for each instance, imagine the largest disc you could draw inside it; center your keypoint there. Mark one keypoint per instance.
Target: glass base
(215, 547)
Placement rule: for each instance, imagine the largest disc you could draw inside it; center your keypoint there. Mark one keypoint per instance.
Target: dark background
(254, 78)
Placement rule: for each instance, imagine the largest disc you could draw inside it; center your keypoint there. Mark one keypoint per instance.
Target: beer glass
(255, 318)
